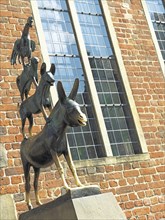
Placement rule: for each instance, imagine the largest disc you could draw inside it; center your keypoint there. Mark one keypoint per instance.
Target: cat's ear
(52, 68)
(43, 68)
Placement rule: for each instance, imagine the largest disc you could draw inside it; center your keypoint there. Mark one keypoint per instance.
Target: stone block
(3, 156)
(79, 203)
(7, 208)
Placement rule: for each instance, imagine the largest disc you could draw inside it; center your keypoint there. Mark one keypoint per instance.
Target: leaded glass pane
(63, 52)
(156, 9)
(114, 105)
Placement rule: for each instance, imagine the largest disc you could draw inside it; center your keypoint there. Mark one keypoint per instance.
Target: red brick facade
(138, 185)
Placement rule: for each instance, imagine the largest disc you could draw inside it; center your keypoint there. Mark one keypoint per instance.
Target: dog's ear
(43, 68)
(74, 90)
(61, 92)
(52, 68)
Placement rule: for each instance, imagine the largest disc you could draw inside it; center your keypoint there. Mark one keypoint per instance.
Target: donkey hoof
(39, 203)
(25, 137)
(30, 207)
(65, 189)
(48, 120)
(80, 185)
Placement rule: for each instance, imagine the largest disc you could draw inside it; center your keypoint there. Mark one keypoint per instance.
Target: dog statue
(29, 75)
(39, 100)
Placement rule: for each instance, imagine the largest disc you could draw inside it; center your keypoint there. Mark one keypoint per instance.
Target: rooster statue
(23, 47)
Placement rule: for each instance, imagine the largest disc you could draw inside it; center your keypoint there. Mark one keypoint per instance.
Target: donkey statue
(23, 47)
(29, 75)
(44, 149)
(39, 100)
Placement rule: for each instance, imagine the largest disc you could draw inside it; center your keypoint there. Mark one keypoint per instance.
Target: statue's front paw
(48, 120)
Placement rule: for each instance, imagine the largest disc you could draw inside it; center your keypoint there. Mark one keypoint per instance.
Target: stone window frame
(109, 159)
(153, 35)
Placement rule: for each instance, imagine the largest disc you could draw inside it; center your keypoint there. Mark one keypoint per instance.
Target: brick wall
(137, 185)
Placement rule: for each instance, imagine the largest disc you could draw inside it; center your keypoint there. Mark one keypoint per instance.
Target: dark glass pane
(122, 123)
(79, 140)
(102, 74)
(108, 124)
(96, 138)
(98, 86)
(125, 135)
(109, 75)
(101, 98)
(105, 112)
(119, 111)
(88, 138)
(71, 140)
(115, 149)
(108, 98)
(105, 86)
(86, 98)
(115, 125)
(93, 124)
(112, 112)
(99, 64)
(137, 148)
(91, 152)
(92, 63)
(116, 98)
(82, 153)
(122, 149)
(118, 136)
(74, 153)
(111, 137)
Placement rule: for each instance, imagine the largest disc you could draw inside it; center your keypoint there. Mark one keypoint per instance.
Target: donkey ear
(52, 68)
(74, 90)
(61, 92)
(43, 68)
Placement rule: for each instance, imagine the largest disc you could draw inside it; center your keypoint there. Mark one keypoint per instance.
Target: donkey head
(48, 76)
(73, 115)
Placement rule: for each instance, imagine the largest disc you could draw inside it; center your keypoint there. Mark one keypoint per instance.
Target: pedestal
(85, 203)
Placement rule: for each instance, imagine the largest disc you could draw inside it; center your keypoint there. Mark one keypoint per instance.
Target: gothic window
(156, 11)
(64, 51)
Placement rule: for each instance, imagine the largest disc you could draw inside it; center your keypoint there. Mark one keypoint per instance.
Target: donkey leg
(22, 96)
(25, 93)
(30, 118)
(44, 112)
(50, 108)
(23, 125)
(36, 176)
(59, 168)
(23, 119)
(72, 168)
(26, 167)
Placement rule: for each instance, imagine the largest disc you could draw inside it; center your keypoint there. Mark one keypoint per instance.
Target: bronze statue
(29, 75)
(44, 149)
(39, 100)
(23, 47)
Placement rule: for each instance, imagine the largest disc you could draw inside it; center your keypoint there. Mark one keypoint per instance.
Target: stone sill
(111, 160)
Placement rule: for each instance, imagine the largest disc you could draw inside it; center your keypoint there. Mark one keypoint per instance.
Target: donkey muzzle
(82, 119)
